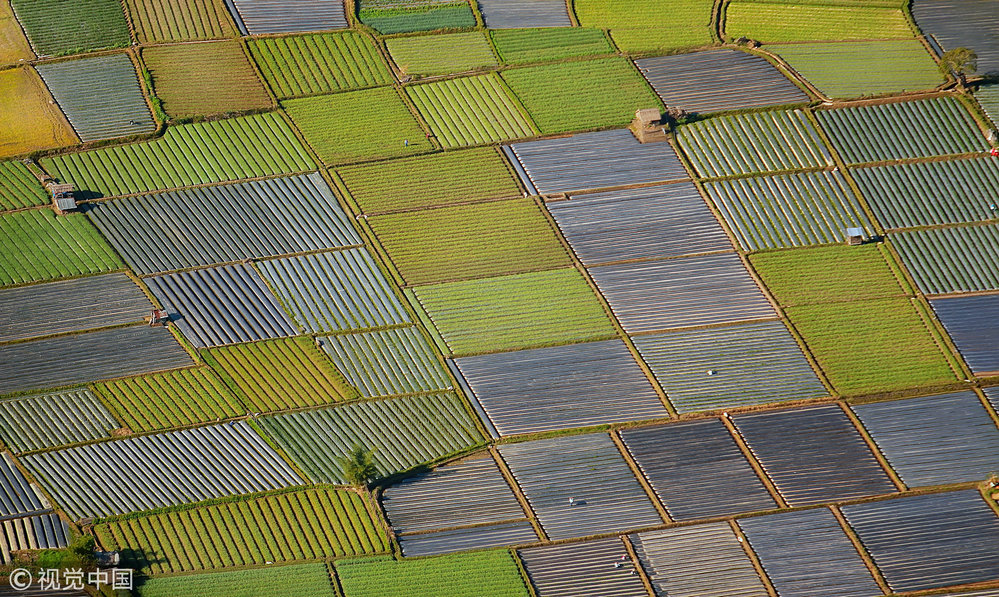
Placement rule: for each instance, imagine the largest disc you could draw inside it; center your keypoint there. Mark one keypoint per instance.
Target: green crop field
(173, 20)
(581, 95)
(13, 45)
(776, 22)
(855, 69)
(431, 180)
(469, 241)
(522, 46)
(415, 15)
(205, 78)
(441, 54)
(58, 27)
(828, 274)
(358, 125)
(279, 374)
(19, 187)
(171, 399)
(38, 245)
(647, 25)
(518, 311)
(319, 63)
(29, 118)
(477, 574)
(309, 524)
(470, 111)
(202, 153)
(870, 346)
(303, 580)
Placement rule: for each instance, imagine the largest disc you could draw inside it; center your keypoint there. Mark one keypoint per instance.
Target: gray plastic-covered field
(693, 467)
(254, 17)
(718, 80)
(948, 260)
(583, 569)
(731, 366)
(470, 497)
(156, 471)
(46, 531)
(934, 440)
(52, 420)
(593, 161)
(589, 469)
(814, 455)
(226, 223)
(929, 541)
(18, 497)
(954, 24)
(101, 96)
(222, 305)
(807, 553)
(70, 306)
(523, 14)
(681, 293)
(973, 325)
(664, 221)
(561, 387)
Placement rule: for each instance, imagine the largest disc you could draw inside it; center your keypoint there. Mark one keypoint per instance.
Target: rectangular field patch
(169, 20)
(52, 420)
(802, 21)
(19, 187)
(254, 17)
(524, 46)
(57, 28)
(973, 325)
(575, 568)
(459, 575)
(29, 119)
(948, 260)
(441, 54)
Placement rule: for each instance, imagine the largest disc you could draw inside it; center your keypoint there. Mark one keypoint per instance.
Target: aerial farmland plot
(526, 298)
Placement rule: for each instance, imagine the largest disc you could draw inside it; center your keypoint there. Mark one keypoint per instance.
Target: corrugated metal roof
(398, 361)
(47, 531)
(973, 324)
(222, 305)
(607, 497)
(517, 14)
(807, 553)
(697, 470)
(929, 541)
(154, 471)
(719, 80)
(100, 96)
(254, 17)
(596, 160)
(788, 210)
(665, 221)
(17, 495)
(582, 569)
(683, 292)
(470, 492)
(934, 440)
(50, 420)
(69, 360)
(70, 306)
(945, 260)
(561, 387)
(225, 223)
(962, 24)
(481, 537)
(705, 560)
(739, 365)
(813, 455)
(332, 292)
(404, 432)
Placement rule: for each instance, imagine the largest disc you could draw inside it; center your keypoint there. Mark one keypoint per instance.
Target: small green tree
(359, 466)
(959, 63)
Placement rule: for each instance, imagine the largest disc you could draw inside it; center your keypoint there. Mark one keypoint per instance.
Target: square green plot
(37, 245)
(828, 274)
(404, 16)
(205, 78)
(855, 69)
(523, 46)
(581, 95)
(777, 22)
(60, 27)
(650, 25)
(441, 54)
(430, 180)
(476, 574)
(358, 125)
(470, 241)
(470, 111)
(872, 346)
(528, 310)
